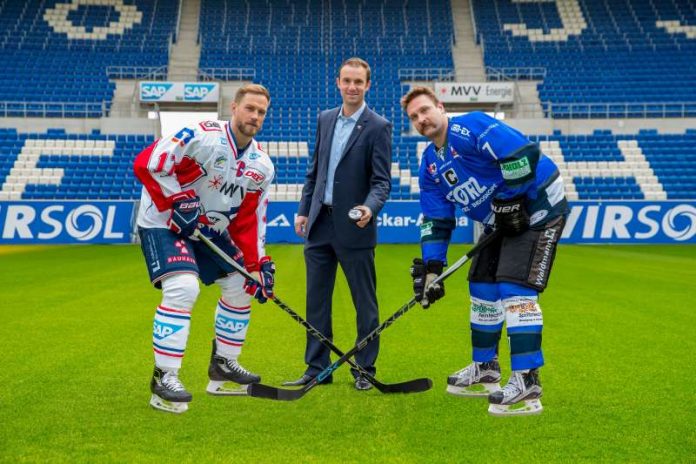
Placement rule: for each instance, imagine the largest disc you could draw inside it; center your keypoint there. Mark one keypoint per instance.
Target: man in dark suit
(350, 169)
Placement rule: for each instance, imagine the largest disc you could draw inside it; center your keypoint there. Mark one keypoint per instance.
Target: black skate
(227, 376)
(519, 397)
(168, 393)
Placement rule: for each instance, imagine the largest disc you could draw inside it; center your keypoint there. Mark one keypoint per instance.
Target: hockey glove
(423, 275)
(511, 215)
(262, 289)
(184, 218)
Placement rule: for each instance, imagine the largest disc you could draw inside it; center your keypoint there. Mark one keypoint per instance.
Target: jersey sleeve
(515, 155)
(248, 228)
(168, 166)
(438, 213)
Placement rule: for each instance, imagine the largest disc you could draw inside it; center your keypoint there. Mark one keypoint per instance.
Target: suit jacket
(363, 176)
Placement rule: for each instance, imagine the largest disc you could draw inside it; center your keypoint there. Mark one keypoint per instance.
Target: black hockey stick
(411, 386)
(266, 391)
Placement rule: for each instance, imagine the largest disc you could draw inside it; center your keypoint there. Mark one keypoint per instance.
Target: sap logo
(254, 175)
(153, 91)
(468, 192)
(83, 223)
(162, 330)
(197, 92)
(650, 222)
(230, 325)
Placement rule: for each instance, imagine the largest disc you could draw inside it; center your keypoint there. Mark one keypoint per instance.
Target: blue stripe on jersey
(173, 316)
(167, 348)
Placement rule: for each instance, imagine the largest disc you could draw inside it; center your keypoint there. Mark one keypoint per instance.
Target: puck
(355, 214)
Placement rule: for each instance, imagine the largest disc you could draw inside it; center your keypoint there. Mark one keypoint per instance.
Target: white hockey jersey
(205, 161)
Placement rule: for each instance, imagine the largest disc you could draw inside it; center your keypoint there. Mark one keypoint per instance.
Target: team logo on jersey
(432, 169)
(451, 177)
(254, 175)
(223, 141)
(461, 130)
(210, 126)
(219, 164)
(254, 155)
(441, 153)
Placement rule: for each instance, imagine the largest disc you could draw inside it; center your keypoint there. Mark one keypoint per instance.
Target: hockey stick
(411, 386)
(266, 391)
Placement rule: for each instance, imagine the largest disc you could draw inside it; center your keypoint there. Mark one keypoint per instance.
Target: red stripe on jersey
(226, 342)
(140, 168)
(244, 230)
(188, 171)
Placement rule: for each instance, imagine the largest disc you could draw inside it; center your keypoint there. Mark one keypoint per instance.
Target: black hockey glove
(184, 218)
(511, 215)
(423, 275)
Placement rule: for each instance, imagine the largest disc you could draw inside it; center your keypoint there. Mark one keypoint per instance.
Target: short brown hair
(357, 63)
(251, 88)
(417, 92)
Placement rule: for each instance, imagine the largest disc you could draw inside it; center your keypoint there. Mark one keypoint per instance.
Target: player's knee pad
(180, 291)
(232, 289)
(487, 318)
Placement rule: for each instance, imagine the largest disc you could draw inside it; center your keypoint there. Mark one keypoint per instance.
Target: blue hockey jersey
(482, 159)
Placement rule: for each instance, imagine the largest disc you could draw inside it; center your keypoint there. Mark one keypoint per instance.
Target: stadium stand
(612, 59)
(61, 52)
(602, 165)
(295, 47)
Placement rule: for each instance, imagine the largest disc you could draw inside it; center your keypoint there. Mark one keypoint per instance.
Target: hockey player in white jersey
(214, 177)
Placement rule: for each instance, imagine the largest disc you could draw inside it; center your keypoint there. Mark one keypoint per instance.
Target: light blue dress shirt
(344, 127)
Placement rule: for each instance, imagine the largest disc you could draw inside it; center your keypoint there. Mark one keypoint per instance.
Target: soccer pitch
(77, 359)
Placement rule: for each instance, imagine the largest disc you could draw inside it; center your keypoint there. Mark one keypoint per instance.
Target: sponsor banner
(631, 222)
(25, 222)
(181, 92)
(475, 92)
(398, 222)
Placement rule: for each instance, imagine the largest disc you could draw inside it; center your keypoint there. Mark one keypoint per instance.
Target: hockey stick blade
(411, 386)
(259, 390)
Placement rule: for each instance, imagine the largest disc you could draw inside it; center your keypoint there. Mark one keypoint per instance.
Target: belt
(328, 209)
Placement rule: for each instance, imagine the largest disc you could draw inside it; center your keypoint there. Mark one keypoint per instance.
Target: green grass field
(76, 358)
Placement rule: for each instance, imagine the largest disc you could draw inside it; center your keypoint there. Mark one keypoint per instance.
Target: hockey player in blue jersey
(499, 178)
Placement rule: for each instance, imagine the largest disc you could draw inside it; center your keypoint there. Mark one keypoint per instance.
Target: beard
(247, 129)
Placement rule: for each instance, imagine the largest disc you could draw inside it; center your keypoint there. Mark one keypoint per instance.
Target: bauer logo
(153, 91)
(197, 92)
(230, 325)
(162, 330)
(65, 222)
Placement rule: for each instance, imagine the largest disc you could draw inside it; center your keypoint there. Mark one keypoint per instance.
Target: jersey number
(166, 163)
(487, 146)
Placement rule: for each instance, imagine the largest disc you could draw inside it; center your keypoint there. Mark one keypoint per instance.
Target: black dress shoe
(304, 380)
(361, 383)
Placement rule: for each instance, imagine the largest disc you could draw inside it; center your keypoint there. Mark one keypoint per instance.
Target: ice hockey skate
(521, 396)
(168, 393)
(227, 376)
(476, 379)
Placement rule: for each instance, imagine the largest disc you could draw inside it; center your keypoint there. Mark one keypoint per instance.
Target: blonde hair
(417, 92)
(257, 89)
(358, 63)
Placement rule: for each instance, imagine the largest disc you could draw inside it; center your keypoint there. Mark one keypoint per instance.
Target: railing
(618, 110)
(227, 74)
(515, 74)
(136, 72)
(10, 109)
(427, 74)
